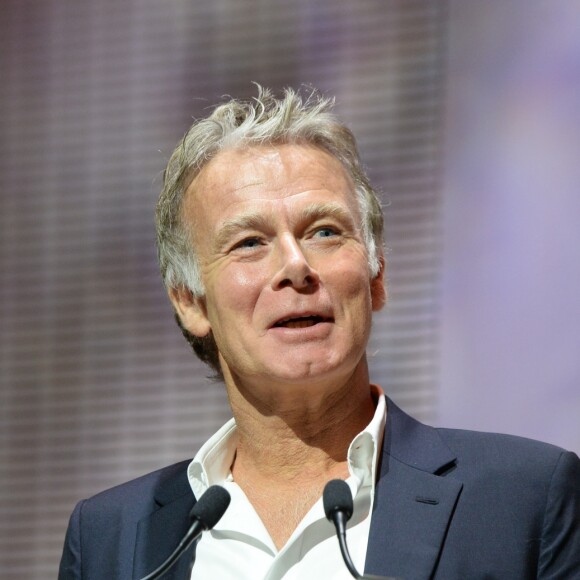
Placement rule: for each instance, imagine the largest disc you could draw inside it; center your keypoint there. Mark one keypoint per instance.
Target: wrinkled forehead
(242, 180)
(271, 165)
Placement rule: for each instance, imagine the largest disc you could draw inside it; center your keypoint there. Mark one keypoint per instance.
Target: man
(270, 247)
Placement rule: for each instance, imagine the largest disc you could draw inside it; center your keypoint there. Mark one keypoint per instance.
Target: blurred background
(468, 118)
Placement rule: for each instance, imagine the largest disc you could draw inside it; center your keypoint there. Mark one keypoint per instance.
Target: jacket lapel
(160, 533)
(413, 505)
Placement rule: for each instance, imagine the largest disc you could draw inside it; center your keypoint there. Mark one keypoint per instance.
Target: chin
(308, 372)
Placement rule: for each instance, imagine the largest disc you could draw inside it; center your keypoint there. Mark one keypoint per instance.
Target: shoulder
(103, 528)
(532, 488)
(497, 463)
(488, 463)
(517, 499)
(487, 448)
(141, 495)
(437, 448)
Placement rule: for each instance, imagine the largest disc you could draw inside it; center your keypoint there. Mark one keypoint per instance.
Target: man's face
(288, 293)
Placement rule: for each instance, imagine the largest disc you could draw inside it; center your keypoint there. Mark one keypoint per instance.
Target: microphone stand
(191, 535)
(205, 514)
(338, 507)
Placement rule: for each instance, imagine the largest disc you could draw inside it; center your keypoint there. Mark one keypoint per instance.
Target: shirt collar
(364, 450)
(211, 465)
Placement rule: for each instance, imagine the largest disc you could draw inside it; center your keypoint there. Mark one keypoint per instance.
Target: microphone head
(211, 506)
(336, 497)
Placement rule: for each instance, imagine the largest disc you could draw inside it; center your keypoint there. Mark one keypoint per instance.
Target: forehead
(266, 176)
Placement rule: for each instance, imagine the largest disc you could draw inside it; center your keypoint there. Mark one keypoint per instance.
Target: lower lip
(316, 331)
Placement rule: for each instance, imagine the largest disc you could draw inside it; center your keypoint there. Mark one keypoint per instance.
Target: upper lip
(324, 316)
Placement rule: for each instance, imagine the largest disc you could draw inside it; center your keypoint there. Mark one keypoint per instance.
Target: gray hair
(263, 120)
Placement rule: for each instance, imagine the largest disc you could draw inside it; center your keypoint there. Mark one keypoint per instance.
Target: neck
(299, 432)
(292, 439)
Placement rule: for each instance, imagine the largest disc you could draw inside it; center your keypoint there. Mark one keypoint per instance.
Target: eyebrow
(260, 222)
(331, 209)
(243, 222)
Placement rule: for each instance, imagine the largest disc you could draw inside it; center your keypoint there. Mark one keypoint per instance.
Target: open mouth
(300, 322)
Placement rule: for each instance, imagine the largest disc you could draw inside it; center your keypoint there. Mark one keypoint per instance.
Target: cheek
(355, 281)
(236, 290)
(351, 278)
(248, 280)
(352, 293)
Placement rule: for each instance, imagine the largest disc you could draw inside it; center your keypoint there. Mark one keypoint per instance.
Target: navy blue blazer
(449, 504)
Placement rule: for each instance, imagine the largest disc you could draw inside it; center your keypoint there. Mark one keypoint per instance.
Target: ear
(191, 311)
(378, 290)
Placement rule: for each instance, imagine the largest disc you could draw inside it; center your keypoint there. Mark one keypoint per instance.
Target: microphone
(338, 507)
(205, 514)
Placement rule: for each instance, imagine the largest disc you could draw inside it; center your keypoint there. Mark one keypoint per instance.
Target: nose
(294, 270)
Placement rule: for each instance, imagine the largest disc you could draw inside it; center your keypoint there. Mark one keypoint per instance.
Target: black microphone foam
(211, 506)
(336, 497)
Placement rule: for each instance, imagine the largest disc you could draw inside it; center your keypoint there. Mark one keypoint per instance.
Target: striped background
(97, 384)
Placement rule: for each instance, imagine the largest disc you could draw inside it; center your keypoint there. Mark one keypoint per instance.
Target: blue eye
(325, 232)
(249, 243)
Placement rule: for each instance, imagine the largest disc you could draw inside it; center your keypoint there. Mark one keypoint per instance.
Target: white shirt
(240, 548)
